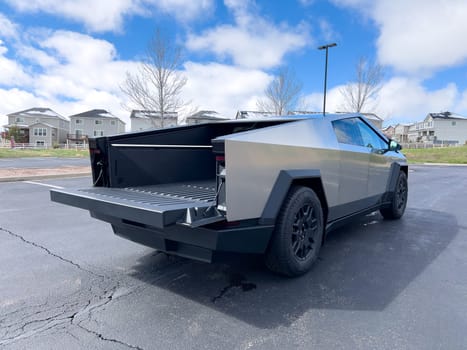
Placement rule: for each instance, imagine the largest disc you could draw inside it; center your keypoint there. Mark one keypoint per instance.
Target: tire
(399, 201)
(298, 233)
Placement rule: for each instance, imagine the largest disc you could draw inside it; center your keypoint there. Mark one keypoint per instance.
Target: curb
(440, 164)
(42, 177)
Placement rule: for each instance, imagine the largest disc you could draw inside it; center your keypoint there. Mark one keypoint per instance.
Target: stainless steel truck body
(270, 186)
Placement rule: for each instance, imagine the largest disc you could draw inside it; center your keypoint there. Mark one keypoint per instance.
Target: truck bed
(156, 206)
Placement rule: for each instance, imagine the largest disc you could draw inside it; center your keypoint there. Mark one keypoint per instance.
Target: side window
(370, 138)
(348, 132)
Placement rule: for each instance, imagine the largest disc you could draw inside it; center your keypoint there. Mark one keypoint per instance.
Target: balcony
(77, 137)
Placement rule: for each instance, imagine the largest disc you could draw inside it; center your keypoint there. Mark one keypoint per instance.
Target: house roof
(207, 115)
(45, 124)
(253, 114)
(147, 114)
(444, 115)
(21, 126)
(96, 113)
(302, 112)
(38, 112)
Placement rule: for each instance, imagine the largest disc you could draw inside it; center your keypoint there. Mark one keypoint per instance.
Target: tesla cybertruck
(273, 186)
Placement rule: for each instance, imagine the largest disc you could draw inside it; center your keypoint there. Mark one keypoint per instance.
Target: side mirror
(394, 146)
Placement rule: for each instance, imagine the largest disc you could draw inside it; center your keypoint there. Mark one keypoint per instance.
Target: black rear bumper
(200, 243)
(171, 218)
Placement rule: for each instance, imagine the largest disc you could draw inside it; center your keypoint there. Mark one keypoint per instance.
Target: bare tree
(281, 94)
(368, 82)
(158, 82)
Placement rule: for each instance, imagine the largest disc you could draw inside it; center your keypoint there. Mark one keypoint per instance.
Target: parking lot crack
(49, 252)
(90, 309)
(107, 339)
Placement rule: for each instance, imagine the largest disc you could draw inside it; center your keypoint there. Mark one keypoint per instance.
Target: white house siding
(36, 135)
(450, 130)
(144, 123)
(104, 126)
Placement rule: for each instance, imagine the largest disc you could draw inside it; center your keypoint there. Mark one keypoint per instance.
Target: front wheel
(298, 234)
(399, 201)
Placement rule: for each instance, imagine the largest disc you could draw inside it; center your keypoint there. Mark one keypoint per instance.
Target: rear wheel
(298, 234)
(399, 201)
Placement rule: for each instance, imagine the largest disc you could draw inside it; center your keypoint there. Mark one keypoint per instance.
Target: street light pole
(326, 47)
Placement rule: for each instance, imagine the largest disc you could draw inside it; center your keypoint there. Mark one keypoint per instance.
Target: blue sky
(72, 55)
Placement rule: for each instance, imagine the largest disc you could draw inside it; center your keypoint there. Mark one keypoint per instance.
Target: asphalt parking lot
(66, 282)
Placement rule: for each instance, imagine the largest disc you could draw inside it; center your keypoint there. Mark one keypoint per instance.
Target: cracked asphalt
(66, 282)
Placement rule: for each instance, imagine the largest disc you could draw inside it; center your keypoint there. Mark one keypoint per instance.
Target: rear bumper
(184, 225)
(200, 243)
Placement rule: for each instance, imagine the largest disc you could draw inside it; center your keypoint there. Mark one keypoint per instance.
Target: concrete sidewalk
(25, 174)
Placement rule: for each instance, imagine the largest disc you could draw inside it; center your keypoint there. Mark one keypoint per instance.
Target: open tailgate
(158, 206)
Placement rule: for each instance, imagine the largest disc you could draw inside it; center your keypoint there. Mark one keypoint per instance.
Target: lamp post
(326, 47)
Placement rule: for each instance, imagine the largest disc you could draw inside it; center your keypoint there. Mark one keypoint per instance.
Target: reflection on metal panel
(353, 180)
(255, 159)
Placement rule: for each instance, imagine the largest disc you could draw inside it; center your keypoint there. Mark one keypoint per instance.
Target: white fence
(6, 144)
(430, 145)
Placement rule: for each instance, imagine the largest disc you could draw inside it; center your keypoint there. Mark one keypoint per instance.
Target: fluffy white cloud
(407, 99)
(72, 73)
(252, 42)
(102, 15)
(8, 29)
(78, 72)
(417, 36)
(401, 99)
(12, 73)
(108, 15)
(225, 89)
(184, 10)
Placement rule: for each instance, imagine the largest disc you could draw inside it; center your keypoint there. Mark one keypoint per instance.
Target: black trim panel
(343, 210)
(349, 218)
(392, 182)
(280, 189)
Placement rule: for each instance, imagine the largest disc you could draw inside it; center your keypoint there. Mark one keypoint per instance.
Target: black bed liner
(157, 205)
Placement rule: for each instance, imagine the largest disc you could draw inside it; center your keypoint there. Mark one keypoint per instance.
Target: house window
(40, 132)
(112, 122)
(98, 122)
(19, 120)
(98, 133)
(40, 143)
(453, 123)
(78, 121)
(78, 132)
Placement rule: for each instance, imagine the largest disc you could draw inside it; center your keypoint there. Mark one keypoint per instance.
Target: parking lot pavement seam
(49, 252)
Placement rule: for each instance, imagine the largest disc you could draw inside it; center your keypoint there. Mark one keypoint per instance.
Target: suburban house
(389, 131)
(93, 123)
(444, 127)
(401, 132)
(204, 117)
(39, 126)
(144, 120)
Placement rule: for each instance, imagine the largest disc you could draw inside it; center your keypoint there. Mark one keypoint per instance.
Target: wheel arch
(286, 179)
